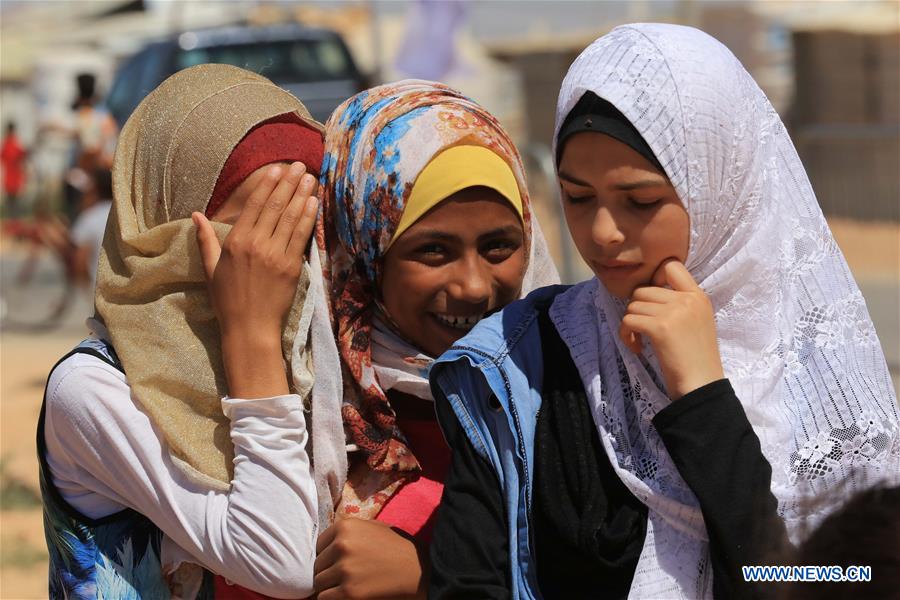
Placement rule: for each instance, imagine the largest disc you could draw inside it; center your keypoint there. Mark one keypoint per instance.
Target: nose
(605, 230)
(471, 282)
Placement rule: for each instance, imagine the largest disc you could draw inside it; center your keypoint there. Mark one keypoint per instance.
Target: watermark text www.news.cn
(811, 573)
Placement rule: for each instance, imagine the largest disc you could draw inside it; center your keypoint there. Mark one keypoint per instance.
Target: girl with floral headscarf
(426, 228)
(172, 443)
(668, 418)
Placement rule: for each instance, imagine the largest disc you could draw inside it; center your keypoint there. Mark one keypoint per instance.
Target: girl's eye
(431, 249)
(499, 250)
(431, 254)
(576, 199)
(642, 203)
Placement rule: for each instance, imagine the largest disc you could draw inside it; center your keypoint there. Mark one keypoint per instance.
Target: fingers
(257, 200)
(325, 581)
(638, 324)
(673, 273)
(653, 294)
(659, 278)
(210, 250)
(326, 558)
(304, 229)
(278, 201)
(630, 338)
(295, 214)
(327, 574)
(325, 538)
(650, 309)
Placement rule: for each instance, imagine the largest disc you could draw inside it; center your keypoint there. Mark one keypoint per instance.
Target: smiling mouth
(457, 322)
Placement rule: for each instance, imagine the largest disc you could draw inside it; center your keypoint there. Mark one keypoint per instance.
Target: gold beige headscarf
(151, 289)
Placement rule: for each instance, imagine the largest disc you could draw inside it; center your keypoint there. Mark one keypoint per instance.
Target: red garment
(223, 589)
(414, 507)
(281, 139)
(12, 159)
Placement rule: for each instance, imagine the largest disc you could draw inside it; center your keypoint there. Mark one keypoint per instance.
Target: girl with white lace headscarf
(759, 275)
(794, 334)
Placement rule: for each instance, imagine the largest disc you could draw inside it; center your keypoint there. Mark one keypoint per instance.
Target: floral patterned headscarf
(377, 144)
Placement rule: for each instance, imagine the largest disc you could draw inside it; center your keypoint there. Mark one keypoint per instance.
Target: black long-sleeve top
(587, 528)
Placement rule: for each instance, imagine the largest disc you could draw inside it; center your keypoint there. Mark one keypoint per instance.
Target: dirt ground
(872, 250)
(24, 362)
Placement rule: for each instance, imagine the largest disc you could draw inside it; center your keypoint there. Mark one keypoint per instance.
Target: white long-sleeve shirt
(104, 455)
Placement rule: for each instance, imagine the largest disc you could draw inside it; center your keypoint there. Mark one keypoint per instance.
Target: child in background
(864, 532)
(12, 163)
(90, 224)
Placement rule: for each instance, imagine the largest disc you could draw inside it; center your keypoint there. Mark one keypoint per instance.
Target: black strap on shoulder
(48, 487)
(112, 359)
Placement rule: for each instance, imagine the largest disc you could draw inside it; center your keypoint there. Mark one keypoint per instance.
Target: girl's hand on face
(253, 275)
(680, 325)
(366, 559)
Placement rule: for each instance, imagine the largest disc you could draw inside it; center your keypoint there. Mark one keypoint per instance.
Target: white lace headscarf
(795, 337)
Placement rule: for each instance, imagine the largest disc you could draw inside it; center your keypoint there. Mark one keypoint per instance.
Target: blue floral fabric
(112, 558)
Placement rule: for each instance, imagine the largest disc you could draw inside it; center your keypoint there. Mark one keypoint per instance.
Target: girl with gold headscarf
(175, 435)
(426, 228)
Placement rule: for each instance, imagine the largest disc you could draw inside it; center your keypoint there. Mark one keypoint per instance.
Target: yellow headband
(456, 169)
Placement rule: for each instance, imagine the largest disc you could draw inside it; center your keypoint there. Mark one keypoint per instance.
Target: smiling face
(623, 213)
(463, 259)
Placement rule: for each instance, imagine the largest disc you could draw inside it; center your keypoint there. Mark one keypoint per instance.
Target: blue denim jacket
(493, 378)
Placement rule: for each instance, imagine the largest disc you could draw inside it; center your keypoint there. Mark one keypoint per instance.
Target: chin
(616, 289)
(436, 342)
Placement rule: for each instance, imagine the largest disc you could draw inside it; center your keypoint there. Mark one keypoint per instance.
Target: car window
(156, 68)
(122, 98)
(295, 61)
(137, 78)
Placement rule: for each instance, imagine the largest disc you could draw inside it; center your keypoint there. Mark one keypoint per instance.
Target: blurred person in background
(87, 231)
(94, 128)
(94, 134)
(78, 246)
(865, 531)
(12, 161)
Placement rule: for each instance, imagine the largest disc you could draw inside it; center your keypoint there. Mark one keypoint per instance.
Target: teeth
(464, 323)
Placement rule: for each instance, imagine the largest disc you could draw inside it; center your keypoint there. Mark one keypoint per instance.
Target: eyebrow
(430, 234)
(644, 183)
(505, 230)
(631, 185)
(437, 234)
(566, 177)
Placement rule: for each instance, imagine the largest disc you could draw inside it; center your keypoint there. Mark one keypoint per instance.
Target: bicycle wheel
(34, 289)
